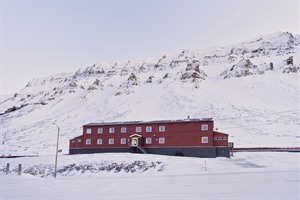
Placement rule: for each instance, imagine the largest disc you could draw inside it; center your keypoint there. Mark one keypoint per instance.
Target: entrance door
(134, 141)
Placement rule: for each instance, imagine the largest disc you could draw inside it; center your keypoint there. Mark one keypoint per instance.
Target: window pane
(123, 130)
(111, 141)
(88, 141)
(100, 130)
(123, 140)
(204, 127)
(111, 130)
(162, 128)
(148, 140)
(138, 129)
(204, 139)
(161, 140)
(99, 141)
(88, 131)
(149, 129)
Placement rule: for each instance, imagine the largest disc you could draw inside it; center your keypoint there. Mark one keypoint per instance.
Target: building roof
(149, 122)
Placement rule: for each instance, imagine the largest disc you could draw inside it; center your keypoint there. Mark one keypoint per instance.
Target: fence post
(7, 168)
(20, 170)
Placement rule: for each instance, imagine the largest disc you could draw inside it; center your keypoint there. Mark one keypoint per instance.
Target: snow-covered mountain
(251, 89)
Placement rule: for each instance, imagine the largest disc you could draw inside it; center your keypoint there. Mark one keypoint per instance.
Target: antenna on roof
(188, 117)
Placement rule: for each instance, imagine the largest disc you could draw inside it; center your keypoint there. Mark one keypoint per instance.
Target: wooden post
(7, 168)
(20, 170)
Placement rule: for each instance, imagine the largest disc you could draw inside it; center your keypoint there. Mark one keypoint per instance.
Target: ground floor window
(88, 141)
(148, 140)
(99, 141)
(161, 140)
(111, 141)
(123, 140)
(204, 139)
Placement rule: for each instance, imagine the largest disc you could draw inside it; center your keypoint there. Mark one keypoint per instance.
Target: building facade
(192, 137)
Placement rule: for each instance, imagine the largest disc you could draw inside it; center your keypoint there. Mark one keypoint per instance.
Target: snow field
(244, 176)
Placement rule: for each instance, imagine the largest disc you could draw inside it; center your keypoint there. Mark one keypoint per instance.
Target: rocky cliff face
(162, 88)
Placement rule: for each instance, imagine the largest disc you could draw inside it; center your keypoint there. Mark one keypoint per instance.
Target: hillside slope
(251, 89)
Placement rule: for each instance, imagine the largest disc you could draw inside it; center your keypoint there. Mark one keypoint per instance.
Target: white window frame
(111, 130)
(111, 141)
(79, 140)
(123, 141)
(88, 131)
(215, 138)
(224, 138)
(162, 128)
(88, 141)
(148, 129)
(100, 130)
(99, 141)
(138, 129)
(72, 141)
(148, 140)
(219, 138)
(161, 140)
(204, 127)
(123, 129)
(204, 140)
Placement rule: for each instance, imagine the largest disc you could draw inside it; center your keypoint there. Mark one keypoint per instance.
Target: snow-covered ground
(135, 176)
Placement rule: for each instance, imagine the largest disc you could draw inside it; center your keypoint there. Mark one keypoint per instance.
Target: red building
(192, 137)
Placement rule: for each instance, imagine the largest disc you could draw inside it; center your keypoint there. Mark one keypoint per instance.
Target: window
(204, 127)
(215, 138)
(100, 130)
(148, 129)
(148, 140)
(123, 130)
(123, 140)
(111, 141)
(138, 129)
(224, 138)
(162, 128)
(204, 139)
(88, 131)
(161, 140)
(220, 138)
(111, 130)
(99, 141)
(79, 140)
(88, 141)
(73, 141)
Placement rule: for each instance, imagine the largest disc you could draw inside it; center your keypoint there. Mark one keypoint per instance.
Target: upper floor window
(111, 141)
(161, 140)
(224, 138)
(79, 140)
(123, 141)
(88, 131)
(204, 127)
(100, 130)
(204, 139)
(162, 129)
(148, 129)
(138, 129)
(72, 141)
(88, 141)
(123, 130)
(99, 141)
(148, 140)
(111, 130)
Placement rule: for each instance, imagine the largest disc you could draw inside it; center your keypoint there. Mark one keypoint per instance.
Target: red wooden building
(192, 137)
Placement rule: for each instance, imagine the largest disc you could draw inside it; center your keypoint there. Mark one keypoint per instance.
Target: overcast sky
(41, 38)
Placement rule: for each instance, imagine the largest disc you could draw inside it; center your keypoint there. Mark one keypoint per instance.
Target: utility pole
(56, 155)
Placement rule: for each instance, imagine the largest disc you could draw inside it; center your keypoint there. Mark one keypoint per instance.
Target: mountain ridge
(214, 83)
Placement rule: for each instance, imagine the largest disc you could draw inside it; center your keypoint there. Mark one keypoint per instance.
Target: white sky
(41, 38)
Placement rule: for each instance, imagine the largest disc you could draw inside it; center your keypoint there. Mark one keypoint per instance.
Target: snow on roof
(149, 122)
